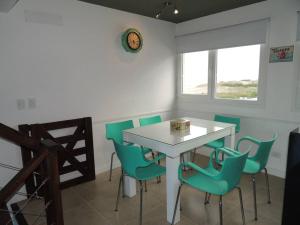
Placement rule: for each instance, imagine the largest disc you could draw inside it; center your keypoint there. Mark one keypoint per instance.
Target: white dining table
(161, 138)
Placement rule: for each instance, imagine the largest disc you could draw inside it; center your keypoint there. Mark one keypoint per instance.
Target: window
(237, 72)
(234, 72)
(195, 73)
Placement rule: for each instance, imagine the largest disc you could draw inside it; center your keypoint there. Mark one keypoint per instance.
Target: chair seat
(207, 184)
(150, 172)
(251, 167)
(216, 144)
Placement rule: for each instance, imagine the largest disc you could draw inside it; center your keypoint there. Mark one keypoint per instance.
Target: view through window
(195, 73)
(236, 72)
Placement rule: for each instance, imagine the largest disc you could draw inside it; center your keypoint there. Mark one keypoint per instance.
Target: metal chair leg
(152, 154)
(221, 210)
(254, 196)
(183, 161)
(141, 202)
(207, 198)
(158, 178)
(182, 158)
(111, 165)
(242, 205)
(194, 155)
(268, 185)
(176, 204)
(118, 195)
(123, 184)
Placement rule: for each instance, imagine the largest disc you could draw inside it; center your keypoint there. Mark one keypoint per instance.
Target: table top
(162, 132)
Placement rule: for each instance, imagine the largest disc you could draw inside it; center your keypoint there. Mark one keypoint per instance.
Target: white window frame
(210, 97)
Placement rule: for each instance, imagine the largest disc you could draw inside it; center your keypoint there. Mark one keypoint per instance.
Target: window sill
(205, 99)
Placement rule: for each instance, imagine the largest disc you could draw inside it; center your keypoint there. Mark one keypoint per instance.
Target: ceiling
(188, 9)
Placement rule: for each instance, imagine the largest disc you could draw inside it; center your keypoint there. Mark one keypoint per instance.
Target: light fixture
(167, 5)
(157, 15)
(176, 11)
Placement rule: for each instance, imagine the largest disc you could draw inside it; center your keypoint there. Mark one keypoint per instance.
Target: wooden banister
(15, 137)
(55, 210)
(4, 215)
(45, 161)
(19, 179)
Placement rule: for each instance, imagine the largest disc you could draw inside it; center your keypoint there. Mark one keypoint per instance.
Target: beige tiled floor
(93, 204)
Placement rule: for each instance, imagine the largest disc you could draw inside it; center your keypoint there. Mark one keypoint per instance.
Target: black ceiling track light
(167, 6)
(175, 11)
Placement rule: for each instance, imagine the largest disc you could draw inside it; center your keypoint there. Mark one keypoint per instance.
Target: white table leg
(232, 138)
(172, 165)
(129, 186)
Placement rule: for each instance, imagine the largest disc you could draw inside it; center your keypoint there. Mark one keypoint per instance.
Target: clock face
(132, 40)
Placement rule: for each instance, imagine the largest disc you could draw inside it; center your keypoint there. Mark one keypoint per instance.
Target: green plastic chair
(220, 143)
(114, 132)
(213, 181)
(256, 163)
(135, 165)
(149, 121)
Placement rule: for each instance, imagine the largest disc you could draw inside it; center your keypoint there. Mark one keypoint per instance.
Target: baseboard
(106, 167)
(276, 172)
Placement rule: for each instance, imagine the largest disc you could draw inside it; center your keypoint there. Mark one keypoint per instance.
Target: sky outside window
(195, 73)
(237, 72)
(237, 64)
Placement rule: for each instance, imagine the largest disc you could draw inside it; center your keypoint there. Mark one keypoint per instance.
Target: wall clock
(132, 40)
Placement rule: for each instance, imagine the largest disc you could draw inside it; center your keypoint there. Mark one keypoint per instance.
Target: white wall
(73, 64)
(76, 67)
(277, 113)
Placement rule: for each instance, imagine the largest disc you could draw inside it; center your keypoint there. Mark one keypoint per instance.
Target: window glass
(195, 73)
(237, 72)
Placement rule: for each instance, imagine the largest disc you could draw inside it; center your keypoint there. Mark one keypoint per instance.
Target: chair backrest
(131, 157)
(227, 119)
(232, 169)
(263, 151)
(150, 120)
(114, 131)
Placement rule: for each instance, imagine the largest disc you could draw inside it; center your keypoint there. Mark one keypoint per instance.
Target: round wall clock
(132, 40)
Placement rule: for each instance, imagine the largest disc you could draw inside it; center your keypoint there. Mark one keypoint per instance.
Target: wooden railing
(46, 162)
(73, 145)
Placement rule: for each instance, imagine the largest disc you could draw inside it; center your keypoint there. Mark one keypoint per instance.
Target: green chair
(224, 119)
(114, 132)
(149, 121)
(135, 165)
(256, 163)
(213, 181)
